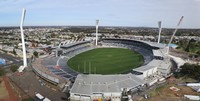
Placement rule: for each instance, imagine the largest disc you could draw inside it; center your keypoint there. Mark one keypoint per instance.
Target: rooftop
(157, 53)
(144, 68)
(89, 84)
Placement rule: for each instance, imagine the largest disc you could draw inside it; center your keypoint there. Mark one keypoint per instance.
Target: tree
(14, 52)
(13, 68)
(191, 70)
(35, 53)
(192, 46)
(53, 35)
(2, 72)
(198, 52)
(28, 99)
(48, 42)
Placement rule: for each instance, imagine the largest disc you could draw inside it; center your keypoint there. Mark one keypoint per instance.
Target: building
(91, 87)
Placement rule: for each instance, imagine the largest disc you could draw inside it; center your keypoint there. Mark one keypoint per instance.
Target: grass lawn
(3, 91)
(106, 61)
(164, 93)
(28, 99)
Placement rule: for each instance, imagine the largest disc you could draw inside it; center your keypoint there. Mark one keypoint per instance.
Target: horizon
(130, 13)
(94, 26)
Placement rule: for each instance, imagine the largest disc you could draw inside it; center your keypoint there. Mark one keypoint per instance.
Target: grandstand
(69, 51)
(87, 87)
(144, 49)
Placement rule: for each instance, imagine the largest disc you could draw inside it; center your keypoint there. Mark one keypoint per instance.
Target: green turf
(106, 61)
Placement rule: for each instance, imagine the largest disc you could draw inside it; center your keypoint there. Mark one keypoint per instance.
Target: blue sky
(135, 13)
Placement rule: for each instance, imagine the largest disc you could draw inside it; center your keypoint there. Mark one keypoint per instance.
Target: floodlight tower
(21, 68)
(181, 19)
(160, 29)
(97, 25)
(22, 36)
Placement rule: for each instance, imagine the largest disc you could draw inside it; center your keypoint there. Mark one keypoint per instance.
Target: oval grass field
(106, 61)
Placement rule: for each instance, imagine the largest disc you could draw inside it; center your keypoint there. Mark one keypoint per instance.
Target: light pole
(97, 25)
(181, 19)
(21, 68)
(160, 29)
(22, 37)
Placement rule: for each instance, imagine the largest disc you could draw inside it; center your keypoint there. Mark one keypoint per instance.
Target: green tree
(48, 42)
(13, 68)
(2, 72)
(14, 52)
(35, 53)
(28, 99)
(198, 52)
(191, 70)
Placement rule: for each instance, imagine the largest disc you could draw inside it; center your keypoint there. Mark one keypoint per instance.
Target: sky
(133, 13)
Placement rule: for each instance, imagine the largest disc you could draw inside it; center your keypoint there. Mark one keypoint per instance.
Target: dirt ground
(164, 93)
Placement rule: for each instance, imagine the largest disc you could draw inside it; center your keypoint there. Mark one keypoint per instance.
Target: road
(15, 60)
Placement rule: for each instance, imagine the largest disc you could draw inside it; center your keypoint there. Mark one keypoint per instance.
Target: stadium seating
(69, 51)
(72, 50)
(142, 48)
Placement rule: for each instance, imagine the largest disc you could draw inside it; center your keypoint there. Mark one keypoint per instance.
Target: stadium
(69, 65)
